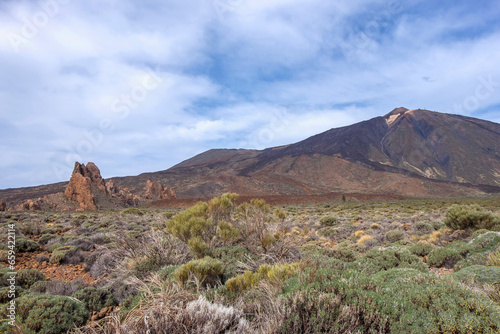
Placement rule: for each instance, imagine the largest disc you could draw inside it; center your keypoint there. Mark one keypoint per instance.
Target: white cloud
(245, 73)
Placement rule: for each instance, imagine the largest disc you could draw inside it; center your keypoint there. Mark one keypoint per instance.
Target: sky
(139, 86)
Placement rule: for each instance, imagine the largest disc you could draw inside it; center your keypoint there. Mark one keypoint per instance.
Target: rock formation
(79, 189)
(92, 172)
(155, 190)
(30, 205)
(3, 206)
(111, 188)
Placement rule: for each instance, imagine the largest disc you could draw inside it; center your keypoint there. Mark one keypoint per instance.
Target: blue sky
(139, 86)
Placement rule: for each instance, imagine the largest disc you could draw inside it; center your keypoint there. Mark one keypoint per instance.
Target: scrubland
(413, 266)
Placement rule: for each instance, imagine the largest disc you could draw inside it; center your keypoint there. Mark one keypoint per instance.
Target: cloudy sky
(140, 85)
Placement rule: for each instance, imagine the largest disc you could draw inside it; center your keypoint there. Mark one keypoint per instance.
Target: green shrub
(231, 256)
(42, 313)
(133, 211)
(477, 233)
(25, 278)
(198, 247)
(387, 258)
(479, 274)
(242, 282)
(207, 271)
(220, 208)
(227, 233)
(394, 301)
(61, 253)
(4, 255)
(327, 232)
(45, 238)
(423, 227)
(273, 274)
(394, 235)
(25, 245)
(4, 295)
(421, 249)
(95, 299)
(328, 221)
(343, 254)
(191, 223)
(53, 247)
(470, 217)
(444, 257)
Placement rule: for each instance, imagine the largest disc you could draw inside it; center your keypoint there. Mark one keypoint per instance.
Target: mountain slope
(430, 144)
(406, 152)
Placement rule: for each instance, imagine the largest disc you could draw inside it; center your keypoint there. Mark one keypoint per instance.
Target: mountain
(416, 153)
(406, 152)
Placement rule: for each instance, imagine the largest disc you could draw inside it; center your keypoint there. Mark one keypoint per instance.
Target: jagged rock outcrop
(127, 198)
(30, 205)
(79, 189)
(155, 190)
(111, 188)
(3, 206)
(92, 172)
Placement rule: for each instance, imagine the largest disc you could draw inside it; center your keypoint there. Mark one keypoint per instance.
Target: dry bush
(166, 309)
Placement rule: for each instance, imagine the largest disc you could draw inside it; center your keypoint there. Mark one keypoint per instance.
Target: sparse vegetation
(223, 267)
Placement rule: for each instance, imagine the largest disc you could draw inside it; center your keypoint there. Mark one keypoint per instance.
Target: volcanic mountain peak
(391, 117)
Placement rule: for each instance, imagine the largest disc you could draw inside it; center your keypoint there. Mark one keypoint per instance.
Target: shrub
(242, 282)
(343, 254)
(59, 288)
(25, 278)
(421, 249)
(45, 238)
(423, 227)
(394, 235)
(133, 211)
(220, 208)
(25, 245)
(365, 239)
(280, 214)
(275, 274)
(192, 223)
(53, 247)
(479, 274)
(42, 313)
(387, 258)
(4, 255)
(227, 232)
(327, 232)
(494, 259)
(198, 247)
(332, 301)
(477, 233)
(470, 217)
(206, 271)
(232, 256)
(444, 257)
(95, 299)
(62, 253)
(359, 233)
(328, 221)
(375, 226)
